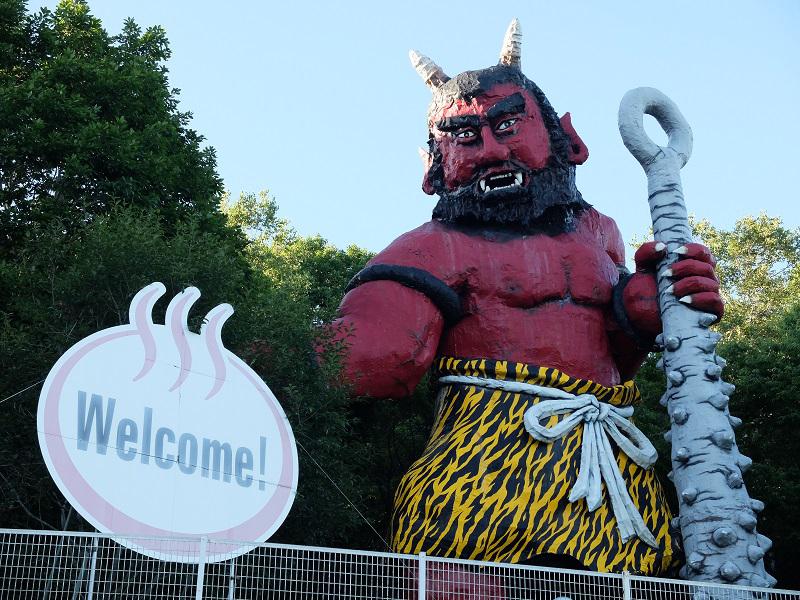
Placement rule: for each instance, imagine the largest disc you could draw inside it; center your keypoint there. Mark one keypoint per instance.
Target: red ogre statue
(517, 295)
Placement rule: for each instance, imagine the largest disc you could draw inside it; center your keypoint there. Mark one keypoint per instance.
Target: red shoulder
(604, 229)
(431, 247)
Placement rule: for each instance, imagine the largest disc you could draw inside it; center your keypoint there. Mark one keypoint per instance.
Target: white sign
(152, 430)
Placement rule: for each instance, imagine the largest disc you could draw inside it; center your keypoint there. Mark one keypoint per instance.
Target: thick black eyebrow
(458, 122)
(514, 104)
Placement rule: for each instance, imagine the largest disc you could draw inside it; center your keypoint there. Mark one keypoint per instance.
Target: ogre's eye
(465, 134)
(507, 124)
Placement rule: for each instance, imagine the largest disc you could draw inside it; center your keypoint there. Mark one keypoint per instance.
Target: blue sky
(318, 103)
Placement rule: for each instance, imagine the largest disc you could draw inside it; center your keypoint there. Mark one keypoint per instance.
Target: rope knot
(600, 421)
(596, 411)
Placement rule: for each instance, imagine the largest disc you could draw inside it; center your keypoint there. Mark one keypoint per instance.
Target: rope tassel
(600, 420)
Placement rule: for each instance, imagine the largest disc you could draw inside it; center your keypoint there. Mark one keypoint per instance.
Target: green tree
(765, 369)
(59, 289)
(63, 288)
(758, 267)
(88, 120)
(105, 188)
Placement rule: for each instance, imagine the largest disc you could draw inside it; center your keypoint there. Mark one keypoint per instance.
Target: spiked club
(717, 517)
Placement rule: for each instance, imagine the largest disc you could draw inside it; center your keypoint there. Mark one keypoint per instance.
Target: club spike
(676, 378)
(748, 521)
(689, 495)
(719, 401)
(764, 542)
(695, 561)
(682, 454)
(707, 319)
(713, 371)
(723, 536)
(511, 53)
(723, 439)
(680, 416)
(707, 345)
(755, 553)
(735, 481)
(730, 572)
(744, 463)
(431, 73)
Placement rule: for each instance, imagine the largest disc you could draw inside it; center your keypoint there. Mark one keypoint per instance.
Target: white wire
(22, 390)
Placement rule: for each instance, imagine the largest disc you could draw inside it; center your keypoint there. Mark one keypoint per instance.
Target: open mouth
(500, 181)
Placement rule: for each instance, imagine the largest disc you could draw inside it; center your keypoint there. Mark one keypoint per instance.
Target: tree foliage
(758, 264)
(105, 188)
(88, 120)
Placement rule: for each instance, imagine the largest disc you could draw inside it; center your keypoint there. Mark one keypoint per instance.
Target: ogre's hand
(694, 283)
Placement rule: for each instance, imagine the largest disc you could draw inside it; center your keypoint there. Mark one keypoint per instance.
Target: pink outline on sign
(110, 518)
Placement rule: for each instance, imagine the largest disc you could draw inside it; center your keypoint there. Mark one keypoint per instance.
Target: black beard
(548, 202)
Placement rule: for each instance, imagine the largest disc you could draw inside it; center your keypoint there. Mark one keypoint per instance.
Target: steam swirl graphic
(176, 322)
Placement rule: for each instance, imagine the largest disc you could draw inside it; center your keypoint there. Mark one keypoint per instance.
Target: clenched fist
(693, 282)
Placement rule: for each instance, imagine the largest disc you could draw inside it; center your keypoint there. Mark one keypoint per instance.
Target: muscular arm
(392, 318)
(391, 333)
(632, 320)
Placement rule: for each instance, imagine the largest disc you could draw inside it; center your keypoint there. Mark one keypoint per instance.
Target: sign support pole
(201, 568)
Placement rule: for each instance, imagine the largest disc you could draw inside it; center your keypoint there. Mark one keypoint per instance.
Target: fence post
(92, 569)
(626, 586)
(421, 571)
(201, 568)
(232, 580)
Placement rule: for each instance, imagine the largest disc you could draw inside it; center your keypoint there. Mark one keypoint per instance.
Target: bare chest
(530, 271)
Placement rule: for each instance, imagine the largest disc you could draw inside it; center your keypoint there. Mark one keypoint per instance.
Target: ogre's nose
(493, 149)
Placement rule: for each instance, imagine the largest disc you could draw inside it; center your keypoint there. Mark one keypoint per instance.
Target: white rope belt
(597, 457)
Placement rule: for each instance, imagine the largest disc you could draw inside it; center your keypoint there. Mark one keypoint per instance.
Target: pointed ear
(427, 161)
(578, 152)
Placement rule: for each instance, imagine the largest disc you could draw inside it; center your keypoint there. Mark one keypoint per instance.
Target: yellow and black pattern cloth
(485, 489)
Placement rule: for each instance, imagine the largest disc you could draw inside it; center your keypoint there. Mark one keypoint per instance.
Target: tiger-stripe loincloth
(485, 489)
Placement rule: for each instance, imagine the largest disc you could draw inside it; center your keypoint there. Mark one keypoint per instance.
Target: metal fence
(83, 566)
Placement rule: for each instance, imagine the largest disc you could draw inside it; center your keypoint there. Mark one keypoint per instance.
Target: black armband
(436, 290)
(621, 315)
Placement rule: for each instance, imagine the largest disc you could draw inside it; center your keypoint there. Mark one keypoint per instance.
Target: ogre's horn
(431, 73)
(511, 53)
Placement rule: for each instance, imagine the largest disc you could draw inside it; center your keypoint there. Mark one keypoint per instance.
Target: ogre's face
(491, 143)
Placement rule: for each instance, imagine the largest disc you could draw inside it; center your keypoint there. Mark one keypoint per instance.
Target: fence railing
(93, 566)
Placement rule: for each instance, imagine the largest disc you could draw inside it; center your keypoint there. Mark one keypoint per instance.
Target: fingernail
(670, 289)
(685, 299)
(667, 273)
(681, 250)
(660, 246)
